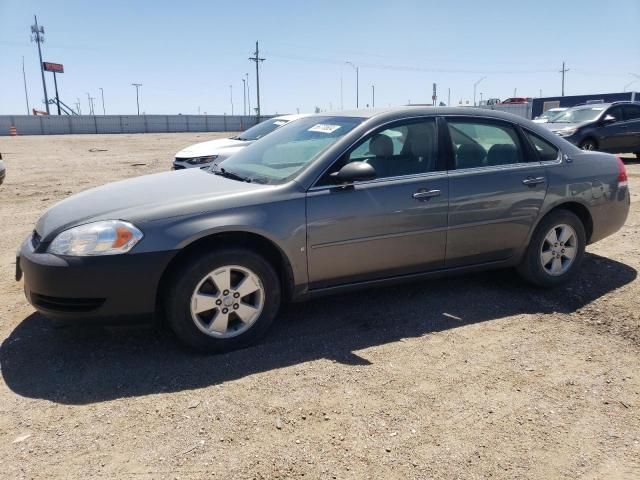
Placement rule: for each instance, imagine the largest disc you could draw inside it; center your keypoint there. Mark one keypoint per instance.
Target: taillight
(622, 173)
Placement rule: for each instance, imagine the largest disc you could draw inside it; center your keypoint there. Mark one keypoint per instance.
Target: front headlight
(201, 160)
(567, 132)
(110, 237)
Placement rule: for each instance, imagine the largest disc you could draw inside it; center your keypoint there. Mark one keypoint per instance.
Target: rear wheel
(589, 144)
(555, 251)
(222, 300)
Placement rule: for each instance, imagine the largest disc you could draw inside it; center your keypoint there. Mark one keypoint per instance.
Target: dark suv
(609, 127)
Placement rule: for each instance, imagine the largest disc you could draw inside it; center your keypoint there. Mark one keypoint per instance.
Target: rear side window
(631, 112)
(478, 143)
(546, 151)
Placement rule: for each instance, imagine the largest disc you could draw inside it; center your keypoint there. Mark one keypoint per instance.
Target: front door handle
(531, 181)
(426, 194)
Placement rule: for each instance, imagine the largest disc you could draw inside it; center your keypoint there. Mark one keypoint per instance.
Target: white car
(201, 155)
(549, 114)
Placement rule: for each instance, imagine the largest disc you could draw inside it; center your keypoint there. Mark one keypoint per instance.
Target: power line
(37, 35)
(24, 79)
(256, 58)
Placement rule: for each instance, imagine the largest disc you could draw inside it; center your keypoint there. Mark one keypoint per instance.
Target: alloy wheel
(559, 249)
(227, 301)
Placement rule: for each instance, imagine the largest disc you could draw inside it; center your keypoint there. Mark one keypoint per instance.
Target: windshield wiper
(234, 176)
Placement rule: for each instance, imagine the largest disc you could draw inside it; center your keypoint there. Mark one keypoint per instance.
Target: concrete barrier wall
(71, 124)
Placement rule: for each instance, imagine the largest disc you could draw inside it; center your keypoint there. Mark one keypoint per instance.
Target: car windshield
(283, 154)
(577, 115)
(550, 114)
(260, 130)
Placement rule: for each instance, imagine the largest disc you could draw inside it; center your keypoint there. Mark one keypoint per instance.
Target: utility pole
(341, 95)
(248, 95)
(37, 35)
(540, 93)
(231, 98)
(55, 84)
(357, 83)
(256, 58)
(90, 100)
(137, 85)
(515, 92)
(244, 97)
(480, 97)
(79, 106)
(373, 96)
(104, 112)
(475, 85)
(449, 97)
(24, 79)
(563, 71)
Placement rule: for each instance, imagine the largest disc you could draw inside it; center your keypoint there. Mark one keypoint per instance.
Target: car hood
(144, 198)
(554, 127)
(211, 147)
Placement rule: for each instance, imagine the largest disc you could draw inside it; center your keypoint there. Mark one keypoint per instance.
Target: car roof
(405, 111)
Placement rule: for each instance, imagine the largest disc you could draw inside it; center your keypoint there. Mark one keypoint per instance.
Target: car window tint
(483, 144)
(407, 149)
(631, 112)
(546, 151)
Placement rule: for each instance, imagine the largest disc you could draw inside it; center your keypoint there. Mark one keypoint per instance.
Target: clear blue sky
(187, 53)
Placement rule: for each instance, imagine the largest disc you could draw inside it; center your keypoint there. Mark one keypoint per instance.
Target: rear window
(546, 151)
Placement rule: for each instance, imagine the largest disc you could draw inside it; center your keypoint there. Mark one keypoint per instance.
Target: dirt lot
(472, 377)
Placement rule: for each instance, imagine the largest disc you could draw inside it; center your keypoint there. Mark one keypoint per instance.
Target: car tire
(589, 144)
(207, 304)
(548, 263)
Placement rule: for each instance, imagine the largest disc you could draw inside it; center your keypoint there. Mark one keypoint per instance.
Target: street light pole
(357, 83)
(244, 97)
(137, 85)
(475, 85)
(248, 94)
(373, 96)
(231, 98)
(104, 112)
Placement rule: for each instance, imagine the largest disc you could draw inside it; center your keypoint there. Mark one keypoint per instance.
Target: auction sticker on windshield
(324, 128)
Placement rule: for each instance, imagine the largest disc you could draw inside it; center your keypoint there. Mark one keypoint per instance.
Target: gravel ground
(471, 377)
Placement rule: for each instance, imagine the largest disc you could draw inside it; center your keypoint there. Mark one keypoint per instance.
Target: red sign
(53, 67)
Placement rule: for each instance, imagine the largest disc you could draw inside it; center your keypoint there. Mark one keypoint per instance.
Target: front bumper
(67, 288)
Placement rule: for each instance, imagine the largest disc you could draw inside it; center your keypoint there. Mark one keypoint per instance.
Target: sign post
(55, 68)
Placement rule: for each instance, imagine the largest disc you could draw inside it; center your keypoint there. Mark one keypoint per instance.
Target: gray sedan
(328, 203)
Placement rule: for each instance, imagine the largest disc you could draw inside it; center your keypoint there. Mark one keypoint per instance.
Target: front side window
(283, 154)
(615, 112)
(546, 151)
(484, 144)
(404, 149)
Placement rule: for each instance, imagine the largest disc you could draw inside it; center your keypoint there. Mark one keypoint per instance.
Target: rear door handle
(426, 194)
(533, 180)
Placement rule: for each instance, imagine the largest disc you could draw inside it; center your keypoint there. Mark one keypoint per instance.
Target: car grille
(61, 304)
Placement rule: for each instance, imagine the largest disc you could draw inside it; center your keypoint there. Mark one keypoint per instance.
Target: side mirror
(353, 172)
(609, 119)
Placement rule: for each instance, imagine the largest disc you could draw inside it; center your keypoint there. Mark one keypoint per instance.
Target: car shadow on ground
(94, 364)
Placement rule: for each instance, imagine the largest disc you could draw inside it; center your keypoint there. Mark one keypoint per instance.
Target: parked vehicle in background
(325, 204)
(201, 155)
(3, 170)
(608, 127)
(515, 100)
(549, 114)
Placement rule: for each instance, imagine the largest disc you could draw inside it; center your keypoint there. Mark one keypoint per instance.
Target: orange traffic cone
(13, 131)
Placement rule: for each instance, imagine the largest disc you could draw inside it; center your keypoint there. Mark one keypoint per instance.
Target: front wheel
(222, 300)
(555, 251)
(589, 144)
